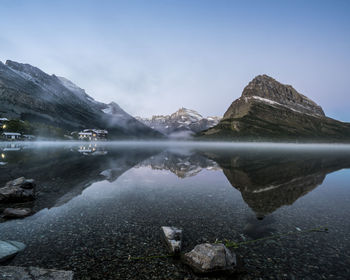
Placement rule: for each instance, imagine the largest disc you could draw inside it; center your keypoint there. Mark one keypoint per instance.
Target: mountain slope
(28, 93)
(269, 110)
(183, 120)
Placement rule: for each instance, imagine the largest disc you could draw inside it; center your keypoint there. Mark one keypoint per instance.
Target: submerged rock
(33, 273)
(9, 249)
(173, 239)
(207, 258)
(16, 213)
(18, 190)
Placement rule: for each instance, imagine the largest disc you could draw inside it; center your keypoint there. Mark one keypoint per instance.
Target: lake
(99, 205)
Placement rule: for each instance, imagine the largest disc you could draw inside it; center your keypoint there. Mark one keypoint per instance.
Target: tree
(19, 126)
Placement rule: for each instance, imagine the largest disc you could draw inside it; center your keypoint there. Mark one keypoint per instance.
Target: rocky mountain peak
(182, 120)
(271, 111)
(26, 69)
(187, 113)
(265, 88)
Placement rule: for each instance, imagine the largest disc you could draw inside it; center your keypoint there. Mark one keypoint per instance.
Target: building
(11, 136)
(28, 137)
(93, 135)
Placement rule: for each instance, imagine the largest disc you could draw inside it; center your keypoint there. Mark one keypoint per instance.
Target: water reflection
(267, 179)
(92, 150)
(111, 205)
(64, 172)
(182, 164)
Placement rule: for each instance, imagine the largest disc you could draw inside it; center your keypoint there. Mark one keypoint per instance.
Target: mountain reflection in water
(267, 179)
(97, 204)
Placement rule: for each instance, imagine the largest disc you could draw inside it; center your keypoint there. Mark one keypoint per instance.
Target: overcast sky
(153, 57)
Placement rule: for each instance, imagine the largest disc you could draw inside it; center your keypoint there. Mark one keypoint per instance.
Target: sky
(153, 57)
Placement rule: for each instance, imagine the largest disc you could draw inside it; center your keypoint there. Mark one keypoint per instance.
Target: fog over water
(191, 144)
(261, 146)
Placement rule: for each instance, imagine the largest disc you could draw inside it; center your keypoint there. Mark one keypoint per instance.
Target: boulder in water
(18, 190)
(208, 258)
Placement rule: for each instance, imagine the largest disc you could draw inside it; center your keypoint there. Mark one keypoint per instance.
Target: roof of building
(3, 119)
(11, 133)
(96, 130)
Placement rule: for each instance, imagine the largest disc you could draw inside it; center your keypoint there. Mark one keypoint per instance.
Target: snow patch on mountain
(181, 124)
(283, 105)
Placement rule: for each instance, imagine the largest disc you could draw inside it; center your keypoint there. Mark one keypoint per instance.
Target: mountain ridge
(28, 93)
(183, 120)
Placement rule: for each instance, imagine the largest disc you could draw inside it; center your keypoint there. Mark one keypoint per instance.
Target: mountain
(269, 110)
(269, 180)
(182, 165)
(183, 120)
(27, 93)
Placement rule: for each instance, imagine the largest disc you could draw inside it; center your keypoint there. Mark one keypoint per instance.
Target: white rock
(173, 239)
(207, 258)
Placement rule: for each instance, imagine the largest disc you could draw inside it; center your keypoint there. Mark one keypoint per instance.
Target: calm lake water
(99, 204)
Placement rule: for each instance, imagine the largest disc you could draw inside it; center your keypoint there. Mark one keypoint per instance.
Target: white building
(11, 136)
(93, 134)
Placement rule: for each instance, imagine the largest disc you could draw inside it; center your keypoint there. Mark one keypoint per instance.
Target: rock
(28, 184)
(16, 213)
(173, 239)
(21, 182)
(18, 190)
(207, 258)
(33, 273)
(9, 249)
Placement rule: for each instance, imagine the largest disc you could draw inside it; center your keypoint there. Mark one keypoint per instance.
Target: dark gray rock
(18, 190)
(21, 182)
(173, 239)
(208, 258)
(33, 273)
(16, 213)
(9, 249)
